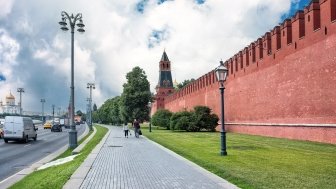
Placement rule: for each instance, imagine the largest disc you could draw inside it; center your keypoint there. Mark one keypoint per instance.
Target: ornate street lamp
(73, 21)
(221, 73)
(90, 86)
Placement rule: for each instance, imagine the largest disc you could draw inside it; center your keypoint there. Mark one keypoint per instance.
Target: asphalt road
(15, 156)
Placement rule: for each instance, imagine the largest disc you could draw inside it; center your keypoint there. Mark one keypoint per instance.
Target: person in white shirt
(125, 127)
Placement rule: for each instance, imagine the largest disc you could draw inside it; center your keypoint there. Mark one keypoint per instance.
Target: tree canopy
(133, 102)
(184, 83)
(135, 97)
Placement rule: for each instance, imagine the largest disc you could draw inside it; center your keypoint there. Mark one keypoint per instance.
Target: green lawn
(255, 161)
(56, 176)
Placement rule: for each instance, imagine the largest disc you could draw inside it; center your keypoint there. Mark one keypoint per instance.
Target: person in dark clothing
(136, 126)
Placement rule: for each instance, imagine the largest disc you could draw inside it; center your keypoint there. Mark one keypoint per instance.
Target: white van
(19, 128)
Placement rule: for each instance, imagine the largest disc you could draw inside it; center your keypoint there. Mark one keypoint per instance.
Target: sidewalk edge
(79, 175)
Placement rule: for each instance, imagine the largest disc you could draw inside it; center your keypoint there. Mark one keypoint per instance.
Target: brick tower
(165, 85)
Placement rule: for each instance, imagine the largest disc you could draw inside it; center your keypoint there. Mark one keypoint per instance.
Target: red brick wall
(295, 82)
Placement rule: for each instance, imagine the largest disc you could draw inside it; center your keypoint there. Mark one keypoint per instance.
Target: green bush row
(198, 119)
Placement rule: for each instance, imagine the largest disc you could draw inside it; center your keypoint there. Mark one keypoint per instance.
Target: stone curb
(21, 174)
(81, 146)
(79, 175)
(219, 180)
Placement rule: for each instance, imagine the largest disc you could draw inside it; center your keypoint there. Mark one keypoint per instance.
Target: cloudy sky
(121, 34)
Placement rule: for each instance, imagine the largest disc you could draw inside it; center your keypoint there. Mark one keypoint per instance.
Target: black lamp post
(150, 120)
(221, 73)
(72, 22)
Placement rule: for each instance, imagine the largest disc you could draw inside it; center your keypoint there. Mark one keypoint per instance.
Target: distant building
(9, 106)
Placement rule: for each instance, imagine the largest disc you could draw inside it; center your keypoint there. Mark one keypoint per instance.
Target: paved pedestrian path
(138, 163)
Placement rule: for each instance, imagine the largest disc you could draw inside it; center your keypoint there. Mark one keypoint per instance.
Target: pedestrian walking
(125, 128)
(136, 126)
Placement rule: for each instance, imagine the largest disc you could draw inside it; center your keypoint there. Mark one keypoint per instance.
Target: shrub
(181, 121)
(162, 118)
(203, 119)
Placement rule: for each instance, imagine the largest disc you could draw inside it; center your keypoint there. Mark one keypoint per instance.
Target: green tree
(135, 97)
(79, 113)
(182, 121)
(83, 117)
(94, 107)
(184, 83)
(114, 110)
(162, 118)
(204, 119)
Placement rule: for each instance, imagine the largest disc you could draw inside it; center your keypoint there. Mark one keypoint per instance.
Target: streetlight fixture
(221, 73)
(150, 120)
(43, 101)
(72, 20)
(90, 86)
(20, 90)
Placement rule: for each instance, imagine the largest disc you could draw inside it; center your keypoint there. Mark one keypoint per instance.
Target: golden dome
(10, 96)
(175, 83)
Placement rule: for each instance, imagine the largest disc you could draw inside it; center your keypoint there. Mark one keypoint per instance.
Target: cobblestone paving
(138, 163)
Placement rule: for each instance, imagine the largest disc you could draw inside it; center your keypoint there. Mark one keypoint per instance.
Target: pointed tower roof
(164, 56)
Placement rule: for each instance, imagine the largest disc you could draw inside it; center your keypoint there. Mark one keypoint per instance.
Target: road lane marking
(27, 145)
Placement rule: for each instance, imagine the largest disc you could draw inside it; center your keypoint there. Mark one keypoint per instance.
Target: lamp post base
(72, 139)
(224, 153)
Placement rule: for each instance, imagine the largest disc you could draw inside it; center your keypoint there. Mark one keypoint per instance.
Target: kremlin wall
(281, 85)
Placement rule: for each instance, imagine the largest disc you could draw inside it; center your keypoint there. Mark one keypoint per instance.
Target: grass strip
(256, 161)
(56, 176)
(68, 152)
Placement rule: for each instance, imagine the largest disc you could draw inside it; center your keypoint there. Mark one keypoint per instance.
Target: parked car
(19, 128)
(47, 125)
(56, 127)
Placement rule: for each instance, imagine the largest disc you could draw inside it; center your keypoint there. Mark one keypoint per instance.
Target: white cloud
(116, 39)
(6, 7)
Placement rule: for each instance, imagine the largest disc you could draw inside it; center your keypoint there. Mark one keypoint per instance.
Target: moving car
(47, 125)
(56, 127)
(19, 128)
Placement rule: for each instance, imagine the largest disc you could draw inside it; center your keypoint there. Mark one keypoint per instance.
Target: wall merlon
(266, 40)
(298, 26)
(328, 12)
(245, 57)
(276, 38)
(251, 52)
(259, 49)
(312, 17)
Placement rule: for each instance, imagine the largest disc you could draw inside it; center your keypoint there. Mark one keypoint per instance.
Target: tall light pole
(53, 113)
(90, 86)
(42, 101)
(221, 73)
(20, 90)
(88, 111)
(72, 22)
(150, 120)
